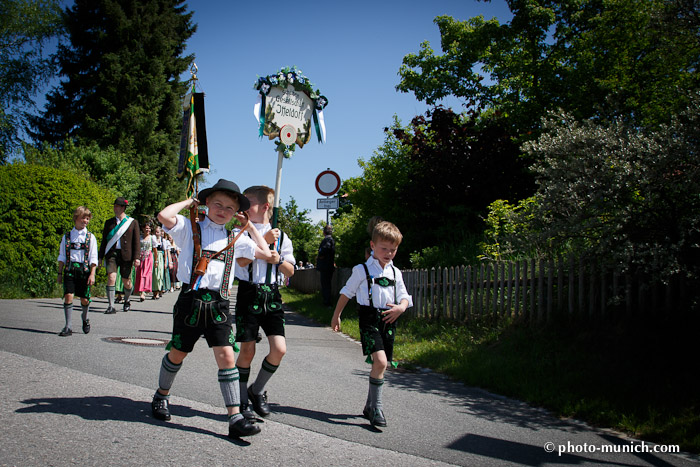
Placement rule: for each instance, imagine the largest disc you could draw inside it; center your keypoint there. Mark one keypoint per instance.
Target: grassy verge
(640, 380)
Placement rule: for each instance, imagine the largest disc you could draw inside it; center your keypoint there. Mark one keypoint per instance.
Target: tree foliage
(122, 88)
(25, 27)
(616, 192)
(107, 167)
(435, 179)
(590, 58)
(36, 208)
(296, 223)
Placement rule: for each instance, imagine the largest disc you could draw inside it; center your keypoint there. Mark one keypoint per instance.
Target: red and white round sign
(328, 183)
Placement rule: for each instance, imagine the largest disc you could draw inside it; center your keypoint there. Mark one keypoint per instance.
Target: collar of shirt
(373, 263)
(208, 224)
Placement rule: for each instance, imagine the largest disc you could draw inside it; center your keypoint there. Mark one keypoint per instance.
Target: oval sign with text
(328, 183)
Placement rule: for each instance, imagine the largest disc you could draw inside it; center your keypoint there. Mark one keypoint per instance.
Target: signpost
(328, 184)
(287, 108)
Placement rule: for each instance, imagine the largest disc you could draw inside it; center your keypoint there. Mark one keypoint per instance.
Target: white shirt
(356, 286)
(215, 238)
(259, 265)
(78, 256)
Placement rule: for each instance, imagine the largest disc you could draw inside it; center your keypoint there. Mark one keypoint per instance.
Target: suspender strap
(378, 281)
(200, 269)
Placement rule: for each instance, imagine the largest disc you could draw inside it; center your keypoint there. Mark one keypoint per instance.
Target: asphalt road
(85, 400)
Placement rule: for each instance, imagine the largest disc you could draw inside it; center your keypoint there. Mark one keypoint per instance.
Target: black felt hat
(121, 202)
(227, 186)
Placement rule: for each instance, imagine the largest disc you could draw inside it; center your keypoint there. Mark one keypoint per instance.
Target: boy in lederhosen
(259, 304)
(77, 262)
(202, 308)
(381, 298)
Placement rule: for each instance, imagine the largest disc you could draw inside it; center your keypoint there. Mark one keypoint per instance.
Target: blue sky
(351, 51)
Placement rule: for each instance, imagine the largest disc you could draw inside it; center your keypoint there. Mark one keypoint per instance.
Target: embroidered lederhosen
(259, 306)
(74, 268)
(372, 327)
(202, 302)
(204, 311)
(267, 296)
(76, 272)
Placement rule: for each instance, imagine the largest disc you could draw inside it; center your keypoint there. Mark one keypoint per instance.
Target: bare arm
(168, 216)
(335, 321)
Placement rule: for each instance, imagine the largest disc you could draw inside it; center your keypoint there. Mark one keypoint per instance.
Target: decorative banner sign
(328, 183)
(287, 105)
(288, 98)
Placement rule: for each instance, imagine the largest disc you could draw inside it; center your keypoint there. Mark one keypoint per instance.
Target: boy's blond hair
(80, 212)
(388, 232)
(261, 194)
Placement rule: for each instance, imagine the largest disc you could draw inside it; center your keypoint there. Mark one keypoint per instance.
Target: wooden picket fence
(541, 290)
(533, 290)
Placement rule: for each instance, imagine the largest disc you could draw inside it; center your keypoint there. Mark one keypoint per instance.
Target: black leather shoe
(160, 408)
(127, 305)
(247, 412)
(367, 412)
(259, 403)
(86, 326)
(242, 428)
(65, 332)
(377, 418)
(110, 310)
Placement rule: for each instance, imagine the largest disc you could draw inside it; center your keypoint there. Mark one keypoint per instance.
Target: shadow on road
(519, 453)
(333, 419)
(105, 408)
(36, 331)
(480, 403)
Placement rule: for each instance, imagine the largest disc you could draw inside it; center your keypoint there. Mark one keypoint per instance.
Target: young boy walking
(202, 308)
(77, 262)
(259, 304)
(381, 297)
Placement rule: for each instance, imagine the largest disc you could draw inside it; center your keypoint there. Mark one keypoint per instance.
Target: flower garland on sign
(284, 77)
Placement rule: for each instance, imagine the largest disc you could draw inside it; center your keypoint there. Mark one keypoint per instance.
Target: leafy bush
(36, 209)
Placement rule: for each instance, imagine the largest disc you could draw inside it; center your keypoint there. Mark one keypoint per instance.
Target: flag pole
(276, 205)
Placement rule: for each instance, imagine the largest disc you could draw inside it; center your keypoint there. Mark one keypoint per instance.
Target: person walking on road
(325, 263)
(259, 304)
(202, 308)
(120, 249)
(77, 262)
(382, 298)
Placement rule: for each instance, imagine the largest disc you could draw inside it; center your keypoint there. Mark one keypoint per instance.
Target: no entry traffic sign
(328, 183)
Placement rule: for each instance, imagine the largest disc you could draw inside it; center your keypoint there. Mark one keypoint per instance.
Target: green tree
(296, 223)
(36, 208)
(25, 27)
(591, 58)
(614, 192)
(122, 86)
(107, 167)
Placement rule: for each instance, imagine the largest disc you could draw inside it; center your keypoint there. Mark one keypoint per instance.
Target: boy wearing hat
(202, 308)
(77, 262)
(120, 249)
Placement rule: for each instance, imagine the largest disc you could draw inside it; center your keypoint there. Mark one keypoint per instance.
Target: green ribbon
(318, 128)
(262, 115)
